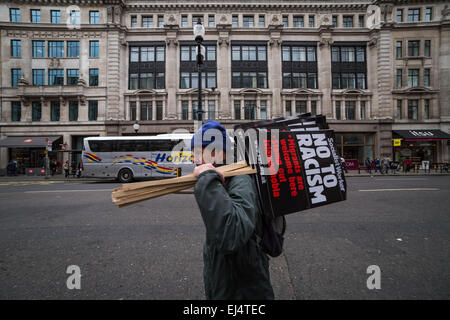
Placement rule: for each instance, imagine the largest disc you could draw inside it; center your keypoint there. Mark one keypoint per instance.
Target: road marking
(407, 179)
(57, 191)
(407, 189)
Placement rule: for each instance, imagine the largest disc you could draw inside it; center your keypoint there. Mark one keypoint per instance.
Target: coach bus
(128, 158)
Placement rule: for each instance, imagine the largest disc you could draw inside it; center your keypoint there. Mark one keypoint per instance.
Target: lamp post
(199, 33)
(136, 127)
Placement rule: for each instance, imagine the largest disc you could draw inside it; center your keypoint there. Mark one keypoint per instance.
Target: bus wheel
(125, 176)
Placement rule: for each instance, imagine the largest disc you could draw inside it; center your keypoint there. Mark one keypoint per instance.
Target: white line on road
(87, 190)
(407, 189)
(407, 179)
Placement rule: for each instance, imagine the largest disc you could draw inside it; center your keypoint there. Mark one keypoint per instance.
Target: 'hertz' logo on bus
(176, 157)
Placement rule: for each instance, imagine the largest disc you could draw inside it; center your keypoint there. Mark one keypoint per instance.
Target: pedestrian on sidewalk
(53, 167)
(235, 267)
(343, 164)
(66, 169)
(376, 164)
(368, 166)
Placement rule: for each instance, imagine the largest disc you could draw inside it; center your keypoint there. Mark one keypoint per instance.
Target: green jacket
(234, 265)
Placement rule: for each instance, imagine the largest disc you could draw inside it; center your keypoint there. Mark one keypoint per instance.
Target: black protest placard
(307, 173)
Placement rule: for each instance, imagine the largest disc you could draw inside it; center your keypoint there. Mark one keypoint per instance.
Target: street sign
(397, 142)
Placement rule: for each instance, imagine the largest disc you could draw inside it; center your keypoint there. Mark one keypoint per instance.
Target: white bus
(127, 158)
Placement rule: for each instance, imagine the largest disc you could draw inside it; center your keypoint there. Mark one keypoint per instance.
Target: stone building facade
(72, 69)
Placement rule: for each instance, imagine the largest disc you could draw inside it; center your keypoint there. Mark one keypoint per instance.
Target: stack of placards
(297, 164)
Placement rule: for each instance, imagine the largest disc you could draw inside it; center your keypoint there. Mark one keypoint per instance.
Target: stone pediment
(415, 90)
(251, 90)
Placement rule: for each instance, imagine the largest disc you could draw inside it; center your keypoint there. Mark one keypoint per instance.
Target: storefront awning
(27, 142)
(423, 135)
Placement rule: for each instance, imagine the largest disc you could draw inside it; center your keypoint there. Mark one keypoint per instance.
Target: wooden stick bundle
(140, 191)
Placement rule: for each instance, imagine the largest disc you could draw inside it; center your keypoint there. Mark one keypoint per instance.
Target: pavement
(153, 249)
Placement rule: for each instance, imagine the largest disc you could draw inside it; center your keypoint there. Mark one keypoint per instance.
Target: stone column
(138, 109)
(274, 74)
(444, 66)
(112, 50)
(172, 74)
(223, 77)
(324, 75)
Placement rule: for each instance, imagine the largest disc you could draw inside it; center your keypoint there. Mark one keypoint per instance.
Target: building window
(195, 110)
(132, 110)
(14, 15)
(184, 110)
(93, 49)
(55, 77)
(133, 21)
(73, 49)
(160, 21)
(399, 49)
(413, 15)
(35, 15)
(16, 111)
(335, 21)
(348, 21)
(147, 21)
(413, 77)
(196, 18)
(237, 109)
(146, 110)
(249, 21)
(55, 111)
(38, 77)
(188, 67)
(73, 110)
(263, 109)
(338, 110)
(300, 107)
(235, 21)
(426, 109)
(361, 21)
(413, 109)
(72, 77)
(211, 21)
(16, 74)
(249, 109)
(427, 48)
(184, 21)
(249, 79)
(312, 22)
(350, 110)
(288, 108)
(38, 49)
(56, 49)
(413, 48)
(262, 21)
(55, 16)
(147, 67)
(298, 22)
(36, 111)
(93, 77)
(246, 75)
(75, 17)
(16, 48)
(428, 14)
(426, 77)
(94, 17)
(399, 78)
(285, 21)
(399, 109)
(93, 110)
(362, 110)
(211, 109)
(399, 15)
(159, 110)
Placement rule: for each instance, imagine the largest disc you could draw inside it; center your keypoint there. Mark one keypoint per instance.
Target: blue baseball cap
(208, 134)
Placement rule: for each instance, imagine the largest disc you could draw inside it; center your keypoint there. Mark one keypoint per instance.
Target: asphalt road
(153, 250)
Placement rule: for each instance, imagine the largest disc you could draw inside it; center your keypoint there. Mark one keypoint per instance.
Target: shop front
(355, 147)
(29, 151)
(419, 145)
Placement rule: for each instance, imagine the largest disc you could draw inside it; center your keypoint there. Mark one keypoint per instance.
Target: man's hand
(205, 167)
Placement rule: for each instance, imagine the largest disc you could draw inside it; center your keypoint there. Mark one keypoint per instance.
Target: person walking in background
(53, 167)
(66, 169)
(368, 166)
(376, 164)
(343, 164)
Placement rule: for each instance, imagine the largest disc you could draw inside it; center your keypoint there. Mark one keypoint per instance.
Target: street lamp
(199, 33)
(136, 127)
